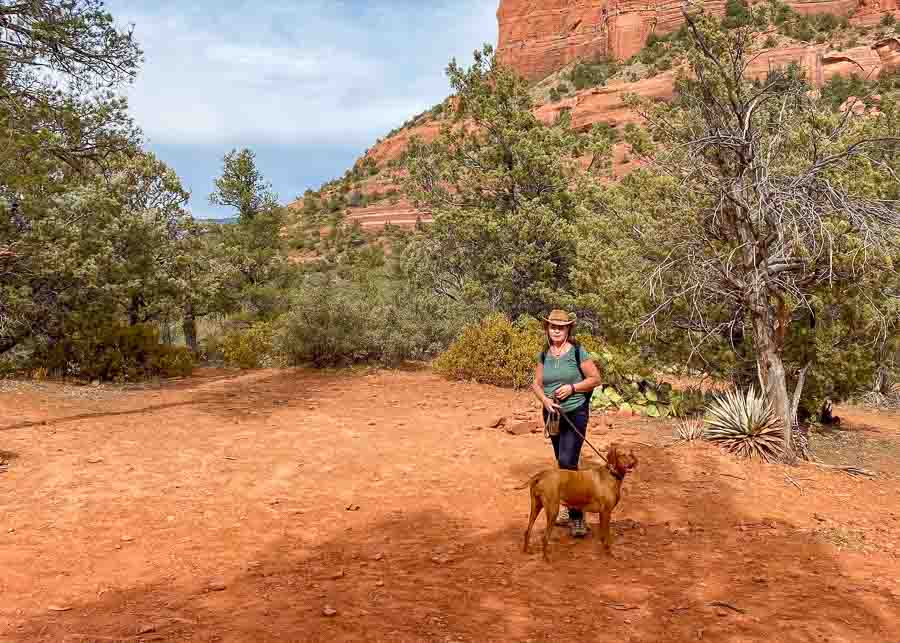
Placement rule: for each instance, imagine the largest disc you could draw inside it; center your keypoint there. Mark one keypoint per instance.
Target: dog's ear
(632, 460)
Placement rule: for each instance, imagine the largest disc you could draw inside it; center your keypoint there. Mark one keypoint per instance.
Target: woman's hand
(563, 392)
(550, 405)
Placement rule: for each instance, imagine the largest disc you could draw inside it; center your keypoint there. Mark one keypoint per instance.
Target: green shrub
(323, 327)
(114, 352)
(8, 367)
(369, 318)
(737, 14)
(839, 88)
(503, 353)
(211, 332)
(888, 19)
(690, 401)
(494, 351)
(585, 75)
(250, 348)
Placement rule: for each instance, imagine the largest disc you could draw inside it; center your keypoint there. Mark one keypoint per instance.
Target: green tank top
(563, 370)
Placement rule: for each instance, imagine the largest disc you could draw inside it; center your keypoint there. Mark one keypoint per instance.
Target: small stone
(336, 575)
(520, 428)
(127, 539)
(95, 460)
(216, 585)
(170, 518)
(372, 423)
(379, 556)
(95, 383)
(379, 583)
(497, 422)
(146, 629)
(329, 611)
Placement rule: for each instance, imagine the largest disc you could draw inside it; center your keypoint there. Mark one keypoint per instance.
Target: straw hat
(560, 318)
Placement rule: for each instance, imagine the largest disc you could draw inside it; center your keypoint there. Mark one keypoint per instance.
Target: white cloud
(340, 72)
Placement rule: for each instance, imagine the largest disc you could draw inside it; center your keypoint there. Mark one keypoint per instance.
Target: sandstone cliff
(537, 37)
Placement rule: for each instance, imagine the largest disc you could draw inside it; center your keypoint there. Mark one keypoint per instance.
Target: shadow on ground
(702, 571)
(281, 389)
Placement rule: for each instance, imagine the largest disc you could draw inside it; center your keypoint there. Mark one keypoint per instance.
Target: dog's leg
(605, 534)
(551, 508)
(536, 506)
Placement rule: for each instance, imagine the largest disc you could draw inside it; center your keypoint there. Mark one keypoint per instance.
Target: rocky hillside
(558, 43)
(538, 38)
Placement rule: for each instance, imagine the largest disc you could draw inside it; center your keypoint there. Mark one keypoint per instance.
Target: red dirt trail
(238, 506)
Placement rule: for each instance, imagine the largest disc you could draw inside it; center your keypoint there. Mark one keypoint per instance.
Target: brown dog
(593, 490)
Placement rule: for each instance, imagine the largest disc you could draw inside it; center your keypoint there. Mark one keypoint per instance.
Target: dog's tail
(531, 481)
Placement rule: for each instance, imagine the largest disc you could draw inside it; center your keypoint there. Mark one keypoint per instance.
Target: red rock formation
(391, 148)
(889, 52)
(538, 37)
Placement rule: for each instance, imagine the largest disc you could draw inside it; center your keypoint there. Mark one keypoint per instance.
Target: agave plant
(745, 424)
(690, 429)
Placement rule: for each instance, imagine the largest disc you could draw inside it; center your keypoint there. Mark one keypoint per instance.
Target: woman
(559, 385)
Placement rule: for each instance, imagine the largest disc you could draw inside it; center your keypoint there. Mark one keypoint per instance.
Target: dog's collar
(615, 474)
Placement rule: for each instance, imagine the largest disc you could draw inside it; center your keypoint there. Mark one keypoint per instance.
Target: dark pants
(567, 443)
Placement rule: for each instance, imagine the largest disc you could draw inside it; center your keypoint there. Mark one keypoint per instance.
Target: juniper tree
(759, 204)
(501, 187)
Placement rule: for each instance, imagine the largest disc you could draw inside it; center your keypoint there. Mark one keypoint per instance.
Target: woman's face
(557, 334)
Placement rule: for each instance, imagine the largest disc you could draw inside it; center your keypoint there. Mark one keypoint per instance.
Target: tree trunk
(189, 326)
(882, 381)
(166, 332)
(770, 368)
(134, 309)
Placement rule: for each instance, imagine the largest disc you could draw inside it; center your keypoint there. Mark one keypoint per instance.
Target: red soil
(236, 507)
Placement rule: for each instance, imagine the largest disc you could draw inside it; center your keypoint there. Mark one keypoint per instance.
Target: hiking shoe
(562, 518)
(579, 528)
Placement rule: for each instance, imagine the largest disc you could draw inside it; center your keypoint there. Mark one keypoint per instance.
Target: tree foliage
(761, 208)
(92, 229)
(243, 187)
(498, 183)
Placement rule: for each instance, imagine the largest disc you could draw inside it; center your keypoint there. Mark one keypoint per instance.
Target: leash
(575, 428)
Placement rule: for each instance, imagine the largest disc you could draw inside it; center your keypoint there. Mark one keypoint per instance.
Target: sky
(308, 85)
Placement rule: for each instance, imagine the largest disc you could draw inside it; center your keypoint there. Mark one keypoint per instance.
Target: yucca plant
(745, 424)
(690, 429)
